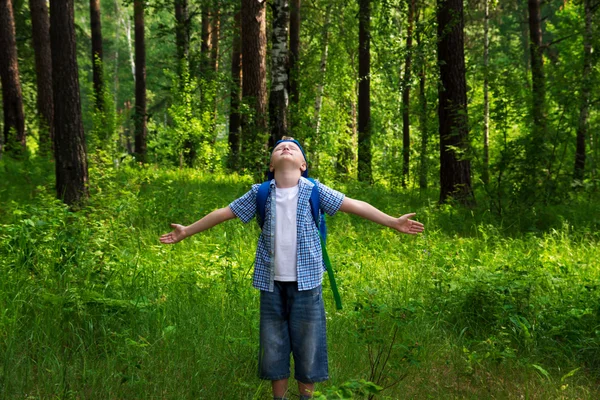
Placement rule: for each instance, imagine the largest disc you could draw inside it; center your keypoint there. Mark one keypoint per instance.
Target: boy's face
(287, 153)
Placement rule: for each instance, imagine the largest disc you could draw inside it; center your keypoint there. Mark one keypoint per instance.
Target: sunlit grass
(93, 306)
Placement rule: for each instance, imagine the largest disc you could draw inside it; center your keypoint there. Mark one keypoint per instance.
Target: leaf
(542, 371)
(569, 374)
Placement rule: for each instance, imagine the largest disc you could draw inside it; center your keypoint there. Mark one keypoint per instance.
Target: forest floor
(92, 306)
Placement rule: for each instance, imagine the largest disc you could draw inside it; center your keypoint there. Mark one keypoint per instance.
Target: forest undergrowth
(92, 306)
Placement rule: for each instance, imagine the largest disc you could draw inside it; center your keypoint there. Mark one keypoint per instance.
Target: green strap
(334, 289)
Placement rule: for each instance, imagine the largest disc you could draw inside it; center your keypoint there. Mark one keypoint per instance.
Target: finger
(410, 215)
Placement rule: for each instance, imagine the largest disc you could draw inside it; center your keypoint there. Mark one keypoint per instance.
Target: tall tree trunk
(254, 87)
(278, 100)
(406, 96)
(140, 81)
(205, 38)
(455, 168)
(293, 60)
(40, 26)
(215, 35)
(582, 129)
(97, 54)
(12, 98)
(364, 92)
(236, 91)
(486, 97)
(182, 33)
(70, 150)
(323, 70)
(535, 149)
(423, 160)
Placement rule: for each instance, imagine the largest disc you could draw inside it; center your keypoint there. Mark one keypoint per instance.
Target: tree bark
(406, 96)
(12, 97)
(140, 117)
(455, 168)
(215, 34)
(97, 54)
(323, 70)
(236, 91)
(278, 100)
(423, 126)
(254, 87)
(535, 150)
(182, 33)
(70, 149)
(40, 26)
(486, 97)
(364, 92)
(582, 129)
(294, 57)
(205, 38)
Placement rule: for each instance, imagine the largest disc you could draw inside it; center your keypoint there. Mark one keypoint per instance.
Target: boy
(289, 266)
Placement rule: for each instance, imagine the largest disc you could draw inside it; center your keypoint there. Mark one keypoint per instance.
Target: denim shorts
(292, 321)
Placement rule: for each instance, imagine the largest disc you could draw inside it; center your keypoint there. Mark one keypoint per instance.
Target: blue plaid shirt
(310, 265)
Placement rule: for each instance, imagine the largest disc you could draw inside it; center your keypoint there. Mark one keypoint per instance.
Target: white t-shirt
(286, 207)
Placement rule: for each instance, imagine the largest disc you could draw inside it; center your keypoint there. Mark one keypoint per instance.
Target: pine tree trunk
(364, 92)
(455, 168)
(486, 97)
(97, 54)
(278, 99)
(70, 149)
(215, 35)
(140, 117)
(205, 38)
(406, 96)
(582, 129)
(423, 160)
(40, 26)
(293, 60)
(182, 33)
(535, 149)
(254, 87)
(236, 91)
(12, 98)
(323, 70)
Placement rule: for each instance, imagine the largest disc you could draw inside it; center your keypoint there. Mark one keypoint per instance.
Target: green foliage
(94, 299)
(190, 135)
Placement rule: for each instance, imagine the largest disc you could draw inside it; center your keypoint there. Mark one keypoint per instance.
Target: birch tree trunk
(293, 60)
(278, 99)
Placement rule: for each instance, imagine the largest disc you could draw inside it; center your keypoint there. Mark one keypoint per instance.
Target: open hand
(406, 225)
(177, 235)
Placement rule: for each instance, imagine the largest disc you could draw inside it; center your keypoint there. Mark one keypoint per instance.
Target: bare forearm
(367, 211)
(210, 220)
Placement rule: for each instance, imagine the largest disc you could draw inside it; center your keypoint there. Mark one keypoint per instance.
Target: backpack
(261, 201)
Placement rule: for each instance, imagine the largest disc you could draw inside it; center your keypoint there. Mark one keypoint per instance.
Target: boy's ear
(303, 167)
(271, 168)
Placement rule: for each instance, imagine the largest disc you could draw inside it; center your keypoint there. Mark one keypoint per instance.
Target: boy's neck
(287, 178)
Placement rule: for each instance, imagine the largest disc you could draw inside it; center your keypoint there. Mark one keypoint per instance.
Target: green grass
(92, 306)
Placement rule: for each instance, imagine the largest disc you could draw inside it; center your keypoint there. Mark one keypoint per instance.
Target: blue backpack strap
(261, 202)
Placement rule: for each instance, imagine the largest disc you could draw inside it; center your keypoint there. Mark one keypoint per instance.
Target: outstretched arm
(181, 232)
(402, 224)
